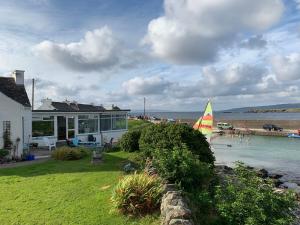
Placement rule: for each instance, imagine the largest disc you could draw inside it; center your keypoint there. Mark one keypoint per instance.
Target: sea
(223, 115)
(276, 154)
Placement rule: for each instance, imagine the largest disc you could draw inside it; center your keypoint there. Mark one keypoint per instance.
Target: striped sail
(205, 123)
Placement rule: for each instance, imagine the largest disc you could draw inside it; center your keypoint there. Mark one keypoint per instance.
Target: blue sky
(176, 53)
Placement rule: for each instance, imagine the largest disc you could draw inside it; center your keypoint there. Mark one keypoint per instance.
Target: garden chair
(49, 144)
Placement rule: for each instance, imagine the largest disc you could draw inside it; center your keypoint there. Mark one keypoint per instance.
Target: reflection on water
(278, 154)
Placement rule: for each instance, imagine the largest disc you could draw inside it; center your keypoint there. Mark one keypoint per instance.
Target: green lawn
(136, 123)
(64, 192)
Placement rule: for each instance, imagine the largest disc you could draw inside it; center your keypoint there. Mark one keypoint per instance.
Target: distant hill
(294, 107)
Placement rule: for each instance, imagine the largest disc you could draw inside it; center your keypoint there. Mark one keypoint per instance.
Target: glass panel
(119, 122)
(85, 117)
(71, 134)
(71, 123)
(48, 117)
(105, 124)
(42, 128)
(88, 126)
(61, 128)
(105, 116)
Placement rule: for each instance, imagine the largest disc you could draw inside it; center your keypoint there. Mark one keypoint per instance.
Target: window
(118, 122)
(105, 122)
(71, 127)
(43, 126)
(6, 134)
(87, 124)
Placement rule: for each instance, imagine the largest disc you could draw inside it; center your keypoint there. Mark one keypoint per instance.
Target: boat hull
(293, 136)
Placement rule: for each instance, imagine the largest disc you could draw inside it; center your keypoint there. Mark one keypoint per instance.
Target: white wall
(14, 112)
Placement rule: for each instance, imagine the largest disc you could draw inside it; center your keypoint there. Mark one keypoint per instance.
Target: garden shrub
(137, 194)
(250, 200)
(130, 141)
(180, 166)
(68, 153)
(168, 136)
(3, 153)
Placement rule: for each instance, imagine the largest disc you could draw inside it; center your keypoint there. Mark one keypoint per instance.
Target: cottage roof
(16, 92)
(77, 107)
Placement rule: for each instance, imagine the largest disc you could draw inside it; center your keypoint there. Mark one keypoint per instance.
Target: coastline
(290, 125)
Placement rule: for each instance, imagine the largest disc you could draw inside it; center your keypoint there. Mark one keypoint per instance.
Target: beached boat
(205, 123)
(294, 135)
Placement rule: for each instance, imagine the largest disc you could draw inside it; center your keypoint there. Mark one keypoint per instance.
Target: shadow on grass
(111, 162)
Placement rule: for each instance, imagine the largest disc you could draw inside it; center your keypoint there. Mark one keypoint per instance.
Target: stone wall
(174, 209)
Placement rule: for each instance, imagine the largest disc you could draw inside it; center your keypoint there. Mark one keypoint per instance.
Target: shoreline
(290, 125)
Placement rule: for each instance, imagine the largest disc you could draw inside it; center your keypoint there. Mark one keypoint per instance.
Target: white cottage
(15, 111)
(59, 121)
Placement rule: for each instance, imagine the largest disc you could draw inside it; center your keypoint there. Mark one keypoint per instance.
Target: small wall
(174, 209)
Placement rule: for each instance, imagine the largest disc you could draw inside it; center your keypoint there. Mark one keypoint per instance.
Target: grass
(136, 123)
(64, 192)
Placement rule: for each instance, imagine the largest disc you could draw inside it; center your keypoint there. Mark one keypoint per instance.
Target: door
(61, 128)
(71, 127)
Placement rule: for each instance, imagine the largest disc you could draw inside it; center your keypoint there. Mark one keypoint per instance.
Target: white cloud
(98, 50)
(286, 67)
(193, 31)
(146, 86)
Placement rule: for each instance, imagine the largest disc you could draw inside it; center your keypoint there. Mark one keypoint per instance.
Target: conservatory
(59, 121)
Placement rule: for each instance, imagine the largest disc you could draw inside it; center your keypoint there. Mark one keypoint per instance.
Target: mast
(144, 107)
(32, 94)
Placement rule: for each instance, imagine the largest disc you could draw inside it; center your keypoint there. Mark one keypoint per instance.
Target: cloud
(298, 3)
(193, 32)
(286, 68)
(98, 50)
(234, 80)
(146, 86)
(254, 42)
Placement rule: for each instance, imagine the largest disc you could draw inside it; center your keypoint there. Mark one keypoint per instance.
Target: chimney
(46, 104)
(47, 101)
(18, 75)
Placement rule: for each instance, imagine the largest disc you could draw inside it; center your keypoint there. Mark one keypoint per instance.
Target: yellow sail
(205, 123)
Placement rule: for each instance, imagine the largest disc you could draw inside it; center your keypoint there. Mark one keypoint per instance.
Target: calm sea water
(224, 116)
(277, 154)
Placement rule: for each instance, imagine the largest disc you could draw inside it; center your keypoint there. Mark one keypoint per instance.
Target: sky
(176, 53)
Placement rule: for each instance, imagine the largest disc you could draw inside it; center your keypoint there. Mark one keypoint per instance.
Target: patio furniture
(49, 144)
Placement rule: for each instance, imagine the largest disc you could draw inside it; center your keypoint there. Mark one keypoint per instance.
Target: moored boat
(293, 135)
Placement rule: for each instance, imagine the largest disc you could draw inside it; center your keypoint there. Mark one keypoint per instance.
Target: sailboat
(205, 123)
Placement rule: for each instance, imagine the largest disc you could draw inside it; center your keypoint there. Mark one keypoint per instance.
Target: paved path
(24, 163)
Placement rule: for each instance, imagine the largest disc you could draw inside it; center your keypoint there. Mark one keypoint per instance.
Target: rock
(292, 186)
(263, 173)
(180, 222)
(128, 168)
(177, 212)
(289, 185)
(277, 183)
(169, 187)
(275, 176)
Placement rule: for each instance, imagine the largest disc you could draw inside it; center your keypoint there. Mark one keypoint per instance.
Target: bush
(3, 153)
(137, 194)
(250, 200)
(168, 136)
(130, 141)
(68, 153)
(181, 167)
